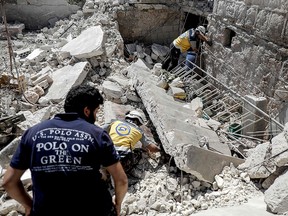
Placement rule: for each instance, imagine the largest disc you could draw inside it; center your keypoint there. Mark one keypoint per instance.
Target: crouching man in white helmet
(126, 133)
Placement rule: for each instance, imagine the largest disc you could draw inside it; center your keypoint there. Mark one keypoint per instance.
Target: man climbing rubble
(125, 134)
(187, 42)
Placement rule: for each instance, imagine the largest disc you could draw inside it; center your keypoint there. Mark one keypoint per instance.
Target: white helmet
(201, 29)
(135, 114)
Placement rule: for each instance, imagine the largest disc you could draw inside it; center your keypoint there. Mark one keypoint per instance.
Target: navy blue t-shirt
(64, 155)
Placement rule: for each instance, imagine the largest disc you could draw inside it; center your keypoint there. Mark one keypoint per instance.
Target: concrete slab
(65, 78)
(214, 162)
(180, 138)
(254, 207)
(88, 44)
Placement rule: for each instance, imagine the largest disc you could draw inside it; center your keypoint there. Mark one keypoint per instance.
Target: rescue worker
(126, 133)
(188, 41)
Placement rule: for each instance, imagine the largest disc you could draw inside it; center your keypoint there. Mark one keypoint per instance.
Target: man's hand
(153, 148)
(209, 42)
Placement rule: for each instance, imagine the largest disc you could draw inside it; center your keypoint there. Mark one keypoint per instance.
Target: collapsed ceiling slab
(180, 139)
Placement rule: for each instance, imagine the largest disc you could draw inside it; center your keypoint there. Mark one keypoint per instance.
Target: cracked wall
(254, 61)
(149, 26)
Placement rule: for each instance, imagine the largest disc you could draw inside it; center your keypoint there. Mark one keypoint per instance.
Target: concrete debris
(276, 195)
(11, 121)
(86, 45)
(264, 162)
(178, 137)
(14, 30)
(177, 93)
(65, 78)
(198, 168)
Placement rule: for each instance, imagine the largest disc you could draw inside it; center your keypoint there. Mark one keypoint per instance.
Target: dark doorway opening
(192, 21)
(228, 36)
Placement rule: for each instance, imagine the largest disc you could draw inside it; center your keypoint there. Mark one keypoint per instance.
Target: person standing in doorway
(188, 41)
(64, 155)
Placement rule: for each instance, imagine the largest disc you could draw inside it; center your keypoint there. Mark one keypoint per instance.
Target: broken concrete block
(31, 96)
(45, 70)
(214, 163)
(157, 69)
(280, 148)
(110, 50)
(23, 53)
(88, 44)
(197, 106)
(44, 84)
(259, 124)
(177, 82)
(43, 77)
(176, 92)
(112, 90)
(276, 197)
(38, 90)
(64, 55)
(160, 50)
(254, 164)
(121, 80)
(65, 78)
(36, 55)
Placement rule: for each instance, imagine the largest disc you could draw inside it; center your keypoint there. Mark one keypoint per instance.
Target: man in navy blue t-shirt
(64, 155)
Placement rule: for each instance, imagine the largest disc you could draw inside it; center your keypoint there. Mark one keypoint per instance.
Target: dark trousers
(173, 58)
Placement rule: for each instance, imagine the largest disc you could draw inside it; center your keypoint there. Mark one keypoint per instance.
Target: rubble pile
(49, 62)
(167, 192)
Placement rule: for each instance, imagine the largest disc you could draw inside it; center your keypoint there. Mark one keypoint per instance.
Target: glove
(209, 42)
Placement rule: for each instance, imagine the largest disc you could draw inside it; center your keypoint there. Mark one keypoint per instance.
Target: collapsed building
(235, 99)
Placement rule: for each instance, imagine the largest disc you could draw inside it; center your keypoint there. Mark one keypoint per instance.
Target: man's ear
(86, 111)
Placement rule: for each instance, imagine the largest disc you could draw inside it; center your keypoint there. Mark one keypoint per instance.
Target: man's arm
(152, 148)
(204, 38)
(121, 184)
(148, 144)
(15, 189)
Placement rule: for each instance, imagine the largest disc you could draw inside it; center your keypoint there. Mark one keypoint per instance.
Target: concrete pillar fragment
(254, 123)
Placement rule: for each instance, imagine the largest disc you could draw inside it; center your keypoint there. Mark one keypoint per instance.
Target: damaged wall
(159, 21)
(40, 13)
(250, 48)
(149, 25)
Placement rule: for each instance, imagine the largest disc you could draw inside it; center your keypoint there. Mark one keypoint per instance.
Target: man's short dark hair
(82, 96)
